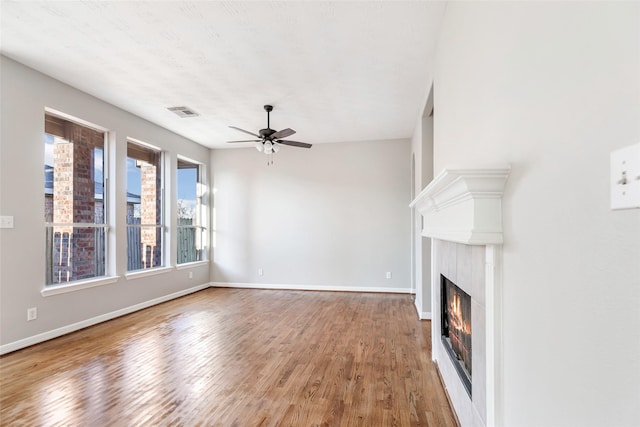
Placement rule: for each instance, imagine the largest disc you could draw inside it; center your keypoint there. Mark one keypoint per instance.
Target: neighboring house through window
(145, 219)
(190, 212)
(75, 203)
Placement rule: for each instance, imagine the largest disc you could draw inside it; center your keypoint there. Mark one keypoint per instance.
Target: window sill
(144, 273)
(191, 265)
(76, 286)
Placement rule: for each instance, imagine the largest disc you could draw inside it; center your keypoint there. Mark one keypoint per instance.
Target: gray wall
(25, 94)
(334, 216)
(552, 88)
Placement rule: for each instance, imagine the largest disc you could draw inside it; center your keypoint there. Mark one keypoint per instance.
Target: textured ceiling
(334, 71)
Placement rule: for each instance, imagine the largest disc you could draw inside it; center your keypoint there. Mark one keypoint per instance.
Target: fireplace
(461, 211)
(455, 328)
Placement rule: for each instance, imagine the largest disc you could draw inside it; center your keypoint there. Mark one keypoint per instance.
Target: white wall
(331, 217)
(552, 88)
(25, 94)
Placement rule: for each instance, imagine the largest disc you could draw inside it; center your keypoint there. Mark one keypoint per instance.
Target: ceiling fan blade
(293, 143)
(245, 140)
(245, 131)
(283, 133)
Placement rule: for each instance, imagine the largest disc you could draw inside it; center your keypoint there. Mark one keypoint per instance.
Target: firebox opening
(456, 328)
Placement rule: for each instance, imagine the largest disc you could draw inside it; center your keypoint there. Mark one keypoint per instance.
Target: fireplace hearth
(456, 328)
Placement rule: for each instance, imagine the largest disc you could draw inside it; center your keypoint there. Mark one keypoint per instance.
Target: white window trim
(193, 264)
(75, 119)
(137, 274)
(51, 290)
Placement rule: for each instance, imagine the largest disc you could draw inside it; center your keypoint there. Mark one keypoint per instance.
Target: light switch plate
(625, 177)
(6, 221)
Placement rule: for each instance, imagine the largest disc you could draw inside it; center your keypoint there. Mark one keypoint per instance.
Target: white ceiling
(334, 71)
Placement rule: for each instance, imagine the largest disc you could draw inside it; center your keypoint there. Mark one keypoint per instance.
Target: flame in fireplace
(459, 319)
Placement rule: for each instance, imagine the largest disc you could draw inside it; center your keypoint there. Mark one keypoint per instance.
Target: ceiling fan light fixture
(268, 147)
(259, 146)
(276, 148)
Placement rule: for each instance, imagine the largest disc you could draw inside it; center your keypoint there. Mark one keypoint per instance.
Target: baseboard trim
(422, 315)
(297, 287)
(45, 336)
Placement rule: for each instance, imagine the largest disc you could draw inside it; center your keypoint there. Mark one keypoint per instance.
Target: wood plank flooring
(235, 357)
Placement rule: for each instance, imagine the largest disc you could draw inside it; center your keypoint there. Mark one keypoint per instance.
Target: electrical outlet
(191, 275)
(260, 272)
(388, 275)
(32, 313)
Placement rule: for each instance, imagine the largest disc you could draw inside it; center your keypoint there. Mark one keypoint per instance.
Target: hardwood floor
(235, 357)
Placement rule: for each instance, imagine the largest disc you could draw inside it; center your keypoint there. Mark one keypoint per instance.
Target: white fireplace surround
(464, 206)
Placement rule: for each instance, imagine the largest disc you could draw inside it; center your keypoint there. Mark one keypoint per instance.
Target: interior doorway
(413, 225)
(423, 244)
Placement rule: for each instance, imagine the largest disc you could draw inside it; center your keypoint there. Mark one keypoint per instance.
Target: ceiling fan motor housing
(266, 133)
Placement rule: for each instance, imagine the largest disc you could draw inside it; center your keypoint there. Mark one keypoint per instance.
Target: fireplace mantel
(464, 206)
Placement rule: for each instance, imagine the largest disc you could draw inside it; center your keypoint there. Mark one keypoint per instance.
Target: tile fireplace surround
(462, 213)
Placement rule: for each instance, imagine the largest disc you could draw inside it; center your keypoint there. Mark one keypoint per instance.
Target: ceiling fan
(268, 140)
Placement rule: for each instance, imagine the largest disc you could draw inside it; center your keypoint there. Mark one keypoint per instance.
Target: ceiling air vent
(183, 111)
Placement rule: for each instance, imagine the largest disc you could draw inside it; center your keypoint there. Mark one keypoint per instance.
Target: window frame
(57, 124)
(140, 148)
(200, 225)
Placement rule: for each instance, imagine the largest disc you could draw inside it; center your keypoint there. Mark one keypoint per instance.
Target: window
(145, 219)
(190, 213)
(74, 201)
